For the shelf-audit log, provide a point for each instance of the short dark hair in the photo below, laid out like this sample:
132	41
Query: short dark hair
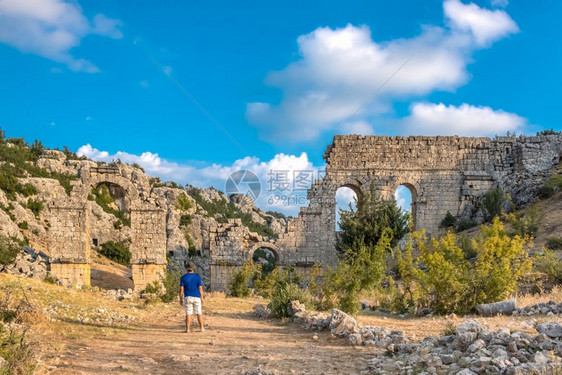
191	266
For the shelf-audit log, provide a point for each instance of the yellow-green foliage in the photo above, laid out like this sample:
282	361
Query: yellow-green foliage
550	264
441	277
362	270
524	224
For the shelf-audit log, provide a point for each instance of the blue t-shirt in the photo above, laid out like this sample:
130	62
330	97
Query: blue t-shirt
191	283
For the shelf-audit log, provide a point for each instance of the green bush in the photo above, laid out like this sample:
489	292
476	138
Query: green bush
50	279
116	251
239	283
183	202
465	224
35	206
171	282
185	220
23	225
448	221
550	264
554	243
284	293
441	278
9	249
524	224
362	269
493	202
551	187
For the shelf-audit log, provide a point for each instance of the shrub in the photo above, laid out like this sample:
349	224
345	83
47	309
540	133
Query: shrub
551	187
185	220
441	277
183	202
23	225
448	221
50	279
550	264
361	269
554	243
239	283
9	249
26	190
116	251
465	224
284	293
524	225
171	282
190	246
493	202
35	206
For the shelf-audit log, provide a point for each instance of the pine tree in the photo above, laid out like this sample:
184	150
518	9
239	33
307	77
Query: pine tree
366	224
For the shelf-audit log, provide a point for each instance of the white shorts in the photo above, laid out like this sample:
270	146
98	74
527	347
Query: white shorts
192	305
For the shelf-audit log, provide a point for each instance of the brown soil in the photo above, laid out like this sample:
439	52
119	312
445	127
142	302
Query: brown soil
106	274
234	342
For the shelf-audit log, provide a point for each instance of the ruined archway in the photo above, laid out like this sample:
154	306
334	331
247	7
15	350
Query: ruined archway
70	240
266	257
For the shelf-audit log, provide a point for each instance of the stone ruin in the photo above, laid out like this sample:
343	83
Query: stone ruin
69	241
444	174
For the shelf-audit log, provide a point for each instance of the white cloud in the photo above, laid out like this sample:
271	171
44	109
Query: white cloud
464	120
403	198
486	25
358	127
51	28
217	174
339	69
500	3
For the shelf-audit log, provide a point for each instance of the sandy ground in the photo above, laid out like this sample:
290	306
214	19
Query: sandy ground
234	342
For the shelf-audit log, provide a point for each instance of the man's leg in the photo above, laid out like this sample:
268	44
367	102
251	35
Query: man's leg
188	323
200	319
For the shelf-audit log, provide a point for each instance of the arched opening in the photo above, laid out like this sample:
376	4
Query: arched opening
109	228
346	199
405	196
265	257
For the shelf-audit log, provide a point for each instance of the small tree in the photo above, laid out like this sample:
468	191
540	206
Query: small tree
116	251
493	202
367	224
239	283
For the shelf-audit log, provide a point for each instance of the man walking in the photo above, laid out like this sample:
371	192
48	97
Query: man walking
191	293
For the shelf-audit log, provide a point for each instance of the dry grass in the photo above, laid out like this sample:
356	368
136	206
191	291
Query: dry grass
529	299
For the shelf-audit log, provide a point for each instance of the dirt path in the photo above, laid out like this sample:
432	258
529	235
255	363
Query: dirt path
234	342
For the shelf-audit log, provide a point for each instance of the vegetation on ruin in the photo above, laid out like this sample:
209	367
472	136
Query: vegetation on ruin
554	243
116	251
103	198
35	206
366	224
222	210
9	249
548	132
183	203
449	221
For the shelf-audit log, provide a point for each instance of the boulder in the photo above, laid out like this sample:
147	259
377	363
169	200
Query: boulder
496	308
341	323
551	329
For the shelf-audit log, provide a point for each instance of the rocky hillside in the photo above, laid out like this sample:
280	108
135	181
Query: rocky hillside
32	177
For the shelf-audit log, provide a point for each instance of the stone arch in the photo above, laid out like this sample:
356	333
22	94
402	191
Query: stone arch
414	193
69	241
265	245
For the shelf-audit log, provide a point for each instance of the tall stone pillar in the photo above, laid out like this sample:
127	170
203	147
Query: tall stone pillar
148	245
68	242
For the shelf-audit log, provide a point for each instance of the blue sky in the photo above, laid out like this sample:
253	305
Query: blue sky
281	78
